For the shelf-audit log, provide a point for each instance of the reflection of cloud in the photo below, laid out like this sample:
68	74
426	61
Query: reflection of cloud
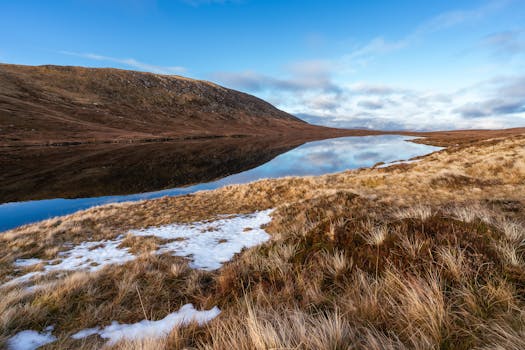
368	155
322	158
328	156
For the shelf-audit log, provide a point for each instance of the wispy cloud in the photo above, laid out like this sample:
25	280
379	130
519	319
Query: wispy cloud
317	74
457	17
363	54
207	2
505	43
129	62
305	75
310	89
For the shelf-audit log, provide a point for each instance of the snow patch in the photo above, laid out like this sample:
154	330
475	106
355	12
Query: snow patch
150	329
209	244
30	340
90	256
22	279
27	262
399	162
85	333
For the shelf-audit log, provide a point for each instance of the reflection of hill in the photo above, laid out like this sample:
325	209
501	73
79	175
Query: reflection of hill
115	169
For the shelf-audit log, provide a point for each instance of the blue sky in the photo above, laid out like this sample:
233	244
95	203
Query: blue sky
435	64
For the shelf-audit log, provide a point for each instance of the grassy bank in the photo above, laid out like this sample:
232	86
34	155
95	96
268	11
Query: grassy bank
419	256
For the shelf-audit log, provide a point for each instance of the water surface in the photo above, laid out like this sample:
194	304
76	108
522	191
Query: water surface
312	158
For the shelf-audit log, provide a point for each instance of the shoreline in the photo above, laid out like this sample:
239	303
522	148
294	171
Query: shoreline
70	205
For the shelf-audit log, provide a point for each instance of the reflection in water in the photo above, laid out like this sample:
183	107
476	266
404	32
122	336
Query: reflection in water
117	169
313	158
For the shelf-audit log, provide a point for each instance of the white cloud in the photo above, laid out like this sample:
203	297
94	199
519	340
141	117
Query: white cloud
309	89
495	103
130	62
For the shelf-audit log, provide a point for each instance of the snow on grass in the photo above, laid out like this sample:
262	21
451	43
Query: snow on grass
87	256
209	244
22	279
92	256
27	262
30	340
399	162
150	329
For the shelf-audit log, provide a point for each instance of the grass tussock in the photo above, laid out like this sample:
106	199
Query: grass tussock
349	266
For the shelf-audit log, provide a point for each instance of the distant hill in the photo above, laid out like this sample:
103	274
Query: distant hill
62	104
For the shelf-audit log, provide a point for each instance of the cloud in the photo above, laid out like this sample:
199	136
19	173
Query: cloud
457	17
364	121
329	102
317	74
503	96
505	43
310	89
130	62
301	76
491	108
363	54
493	103
196	3
372	89
368	104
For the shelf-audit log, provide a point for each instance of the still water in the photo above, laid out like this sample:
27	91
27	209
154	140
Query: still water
313	158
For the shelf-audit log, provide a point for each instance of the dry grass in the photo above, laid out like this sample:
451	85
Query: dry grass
410	263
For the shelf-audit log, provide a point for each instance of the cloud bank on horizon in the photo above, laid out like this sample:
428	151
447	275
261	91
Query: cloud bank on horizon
438	64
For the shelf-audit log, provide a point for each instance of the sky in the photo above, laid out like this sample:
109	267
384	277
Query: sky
419	65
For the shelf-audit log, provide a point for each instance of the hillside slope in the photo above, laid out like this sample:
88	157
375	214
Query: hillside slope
58	104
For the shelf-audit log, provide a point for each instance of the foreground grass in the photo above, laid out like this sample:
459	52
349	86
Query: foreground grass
419	256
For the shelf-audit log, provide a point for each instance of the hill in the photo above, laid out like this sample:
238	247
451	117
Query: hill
68	105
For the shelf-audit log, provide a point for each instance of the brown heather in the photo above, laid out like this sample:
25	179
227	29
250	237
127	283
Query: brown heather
428	255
